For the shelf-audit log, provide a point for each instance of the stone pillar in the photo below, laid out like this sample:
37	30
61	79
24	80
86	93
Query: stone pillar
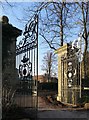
61	51
9	79
9	36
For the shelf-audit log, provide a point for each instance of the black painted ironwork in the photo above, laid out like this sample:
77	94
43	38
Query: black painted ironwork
25	69
70	76
27	65
30	36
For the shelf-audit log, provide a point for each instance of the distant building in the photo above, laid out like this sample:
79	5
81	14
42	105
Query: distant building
40	78
54	79
43	78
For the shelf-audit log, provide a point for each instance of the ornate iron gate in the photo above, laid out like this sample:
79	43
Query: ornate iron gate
27	66
70	81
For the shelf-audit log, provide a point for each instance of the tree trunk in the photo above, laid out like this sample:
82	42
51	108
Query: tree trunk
85	58
61	27
85	36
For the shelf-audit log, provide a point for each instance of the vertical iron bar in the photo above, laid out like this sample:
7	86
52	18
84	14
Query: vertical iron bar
37	66
80	70
34	62
80	80
61	79
32	79
29	56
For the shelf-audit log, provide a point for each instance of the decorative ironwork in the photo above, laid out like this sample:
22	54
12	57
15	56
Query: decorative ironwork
70	76
28	66
25	69
72	71
30	36
79	45
70	64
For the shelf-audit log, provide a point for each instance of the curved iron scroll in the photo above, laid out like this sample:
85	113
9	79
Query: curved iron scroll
30	34
25	69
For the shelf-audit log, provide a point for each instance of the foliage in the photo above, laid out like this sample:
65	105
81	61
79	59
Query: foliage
48	86
85	82
85	93
14	112
84	99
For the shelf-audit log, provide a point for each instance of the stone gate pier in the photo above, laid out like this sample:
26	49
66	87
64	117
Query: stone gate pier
61	51
69	87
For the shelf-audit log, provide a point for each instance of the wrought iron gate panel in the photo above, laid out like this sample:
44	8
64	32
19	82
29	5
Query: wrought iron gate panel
27	66
70	78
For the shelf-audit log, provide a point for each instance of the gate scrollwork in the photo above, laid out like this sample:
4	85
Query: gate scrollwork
30	36
25	69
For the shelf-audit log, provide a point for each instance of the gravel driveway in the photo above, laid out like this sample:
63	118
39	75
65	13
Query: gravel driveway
47	110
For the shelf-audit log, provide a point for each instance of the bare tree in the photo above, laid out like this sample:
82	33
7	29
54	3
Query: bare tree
53	22
54	28
58	20
49	61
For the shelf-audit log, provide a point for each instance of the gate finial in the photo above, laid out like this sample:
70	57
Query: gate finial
4	19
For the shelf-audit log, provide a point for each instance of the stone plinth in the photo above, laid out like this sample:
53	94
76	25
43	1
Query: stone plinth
86	106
